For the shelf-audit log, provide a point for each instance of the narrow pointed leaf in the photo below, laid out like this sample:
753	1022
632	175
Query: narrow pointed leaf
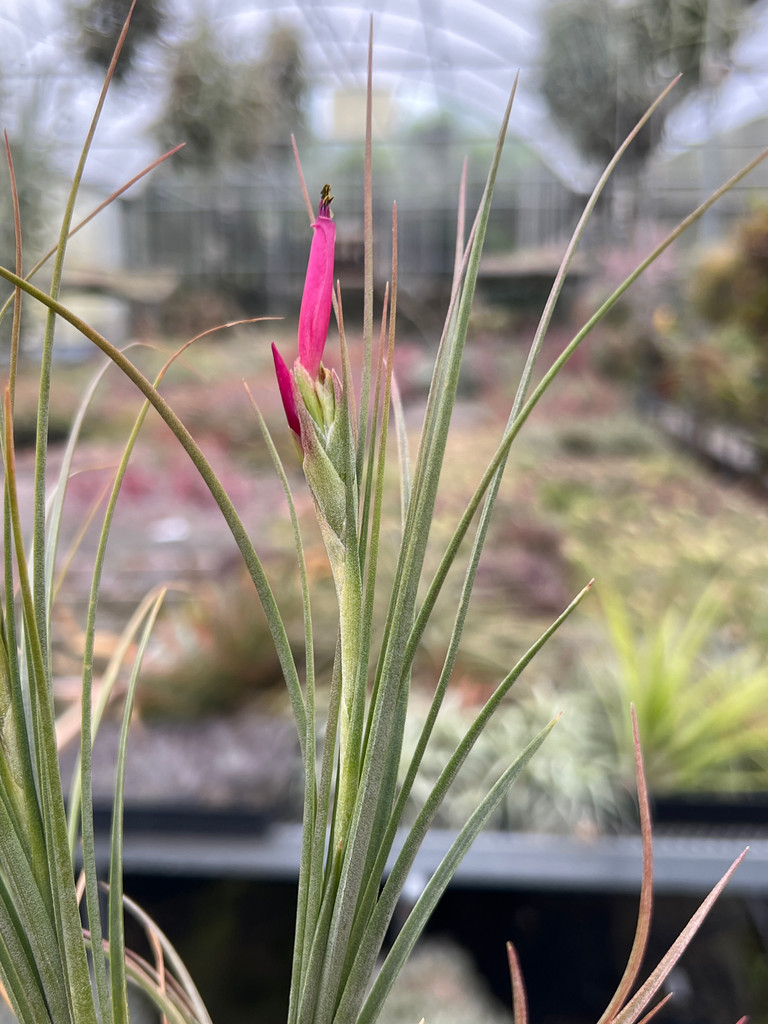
519	999
437	885
634	1008
642	931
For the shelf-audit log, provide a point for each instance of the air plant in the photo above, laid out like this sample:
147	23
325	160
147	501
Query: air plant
353	798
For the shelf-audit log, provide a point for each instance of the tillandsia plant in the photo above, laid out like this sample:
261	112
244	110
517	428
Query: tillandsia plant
353	801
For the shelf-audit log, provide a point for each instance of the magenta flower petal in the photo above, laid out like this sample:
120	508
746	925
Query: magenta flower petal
315	312
285	383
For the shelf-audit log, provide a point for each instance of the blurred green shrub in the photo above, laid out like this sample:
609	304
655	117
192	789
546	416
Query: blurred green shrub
723	371
719	374
712	286
211	653
705	348
702	705
574	787
192	309
750	277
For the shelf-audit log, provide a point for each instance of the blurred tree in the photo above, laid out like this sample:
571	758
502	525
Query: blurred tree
283	85
228	109
33	170
605	61
98	25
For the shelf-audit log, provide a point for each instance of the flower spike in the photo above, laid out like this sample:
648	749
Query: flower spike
302	383
315	314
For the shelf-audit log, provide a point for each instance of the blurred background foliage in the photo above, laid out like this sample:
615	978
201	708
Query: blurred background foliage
706	349
97	26
224	103
615	476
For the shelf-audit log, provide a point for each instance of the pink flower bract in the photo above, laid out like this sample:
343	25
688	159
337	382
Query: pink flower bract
315	312
286	385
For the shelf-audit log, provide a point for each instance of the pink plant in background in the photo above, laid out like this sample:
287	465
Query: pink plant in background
315	313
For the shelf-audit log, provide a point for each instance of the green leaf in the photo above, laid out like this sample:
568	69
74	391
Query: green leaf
433	890
43	404
18	967
117	975
371	924
29	917
58	866
310	867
